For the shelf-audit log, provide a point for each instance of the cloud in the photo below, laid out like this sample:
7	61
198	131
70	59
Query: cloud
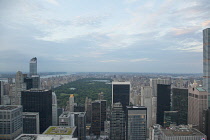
141	60
108	61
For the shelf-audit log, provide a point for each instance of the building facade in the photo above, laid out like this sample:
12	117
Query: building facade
117	122
39	101
31	123
136	123
179	101
10	121
54	110
33	66
121	93
197	103
170	118
163	101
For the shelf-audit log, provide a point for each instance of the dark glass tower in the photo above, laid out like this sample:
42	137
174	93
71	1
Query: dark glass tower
38	101
163	101
136	123
121	93
180	104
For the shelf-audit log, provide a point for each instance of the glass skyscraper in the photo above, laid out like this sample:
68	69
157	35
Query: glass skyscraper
206	61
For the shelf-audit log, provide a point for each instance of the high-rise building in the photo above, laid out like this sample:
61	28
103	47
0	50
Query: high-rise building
146	100
71	103
121	93
197	103
206	123
206	60
39	101
19	86
33	66
117	122
1	92
54	110
98	116
153	84
163	101
35	81
88	109
170	118
10	121
29	83
31	123
136	123
179	101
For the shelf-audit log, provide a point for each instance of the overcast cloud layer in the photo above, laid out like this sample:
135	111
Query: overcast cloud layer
103	35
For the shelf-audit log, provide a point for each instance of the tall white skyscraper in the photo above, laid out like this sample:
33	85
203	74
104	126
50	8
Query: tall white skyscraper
206	61
33	66
54	110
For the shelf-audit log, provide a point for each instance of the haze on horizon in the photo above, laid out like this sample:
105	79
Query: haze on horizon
103	35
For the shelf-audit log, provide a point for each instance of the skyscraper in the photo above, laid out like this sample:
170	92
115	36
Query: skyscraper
33	66
39	101
206	61
1	91
180	103
54	110
163	101
71	103
31	123
121	93
98	116
136	123
117	122
197	103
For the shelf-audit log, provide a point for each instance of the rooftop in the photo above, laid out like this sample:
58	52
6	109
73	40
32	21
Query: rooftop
9	107
201	89
59	130
44	137
30	113
182	131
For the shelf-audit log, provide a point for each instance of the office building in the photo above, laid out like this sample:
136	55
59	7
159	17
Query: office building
206	123
147	100
181	133
80	124
10	121
163	101
1	91
29	83
65	119
71	103
88	109
170	118
35	81
179	101
33	66
39	101
117	122
31	123
197	103
121	93
107	128
54	110
96	118
136	123
19	86
153	84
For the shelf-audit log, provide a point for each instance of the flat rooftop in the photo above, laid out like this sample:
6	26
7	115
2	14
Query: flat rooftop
8	107
59	130
44	137
30	113
182	132
121	83
65	115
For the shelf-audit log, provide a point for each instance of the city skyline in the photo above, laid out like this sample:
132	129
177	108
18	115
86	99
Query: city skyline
103	36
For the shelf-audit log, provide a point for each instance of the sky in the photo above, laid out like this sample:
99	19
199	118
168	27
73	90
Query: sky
103	35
